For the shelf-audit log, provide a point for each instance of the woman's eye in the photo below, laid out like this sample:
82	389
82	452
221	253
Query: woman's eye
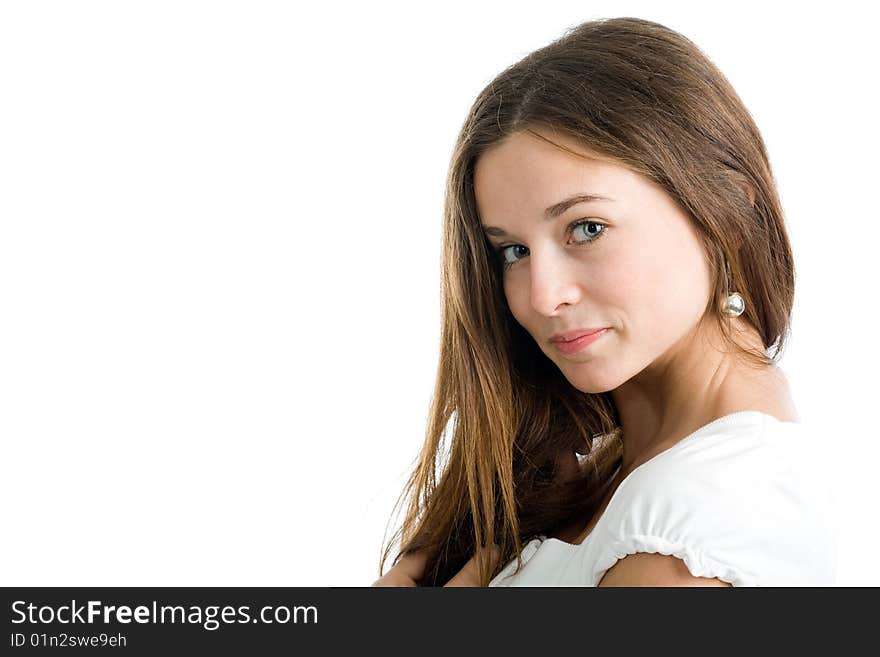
591	231
587	225
508	249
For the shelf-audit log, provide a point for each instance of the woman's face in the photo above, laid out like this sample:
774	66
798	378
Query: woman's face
634	264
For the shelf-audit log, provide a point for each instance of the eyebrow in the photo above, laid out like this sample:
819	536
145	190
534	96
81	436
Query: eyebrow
554	211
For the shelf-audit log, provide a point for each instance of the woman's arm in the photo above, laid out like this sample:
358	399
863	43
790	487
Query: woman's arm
654	569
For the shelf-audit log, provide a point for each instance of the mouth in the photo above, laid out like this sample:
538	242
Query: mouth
577	334
579	343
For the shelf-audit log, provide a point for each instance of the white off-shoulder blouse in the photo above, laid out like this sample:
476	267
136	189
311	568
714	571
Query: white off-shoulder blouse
743	498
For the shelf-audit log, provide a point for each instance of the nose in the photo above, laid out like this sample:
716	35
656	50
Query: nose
553	283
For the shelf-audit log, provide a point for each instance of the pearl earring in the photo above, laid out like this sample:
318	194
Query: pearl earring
735	304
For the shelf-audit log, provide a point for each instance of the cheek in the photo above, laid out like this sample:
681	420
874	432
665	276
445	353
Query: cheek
622	281
663	286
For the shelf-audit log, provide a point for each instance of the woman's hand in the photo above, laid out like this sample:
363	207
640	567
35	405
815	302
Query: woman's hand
469	575
411	567
406	571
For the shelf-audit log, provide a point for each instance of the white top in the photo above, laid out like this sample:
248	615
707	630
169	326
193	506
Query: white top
743	498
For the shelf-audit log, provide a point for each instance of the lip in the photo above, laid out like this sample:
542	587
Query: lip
579	343
569	336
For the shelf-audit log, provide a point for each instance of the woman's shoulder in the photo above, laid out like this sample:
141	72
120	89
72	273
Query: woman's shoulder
747	493
749	444
752	459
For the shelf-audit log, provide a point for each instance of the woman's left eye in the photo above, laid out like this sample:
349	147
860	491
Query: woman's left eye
590	236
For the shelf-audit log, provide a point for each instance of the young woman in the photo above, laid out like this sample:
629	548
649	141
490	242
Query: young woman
617	289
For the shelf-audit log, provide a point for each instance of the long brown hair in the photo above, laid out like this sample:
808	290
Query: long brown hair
502	414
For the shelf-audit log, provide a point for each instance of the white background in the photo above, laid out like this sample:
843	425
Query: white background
219	266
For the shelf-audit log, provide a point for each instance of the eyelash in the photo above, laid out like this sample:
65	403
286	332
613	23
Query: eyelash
506	265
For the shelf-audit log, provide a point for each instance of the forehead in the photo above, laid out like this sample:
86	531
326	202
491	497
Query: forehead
524	174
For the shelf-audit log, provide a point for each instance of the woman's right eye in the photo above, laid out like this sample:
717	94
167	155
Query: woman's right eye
508	249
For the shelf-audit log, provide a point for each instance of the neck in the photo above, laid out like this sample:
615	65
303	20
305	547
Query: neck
688	387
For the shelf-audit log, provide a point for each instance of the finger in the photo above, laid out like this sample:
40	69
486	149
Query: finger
469	575
412	565
394	579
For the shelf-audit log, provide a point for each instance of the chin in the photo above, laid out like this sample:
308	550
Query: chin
589	380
